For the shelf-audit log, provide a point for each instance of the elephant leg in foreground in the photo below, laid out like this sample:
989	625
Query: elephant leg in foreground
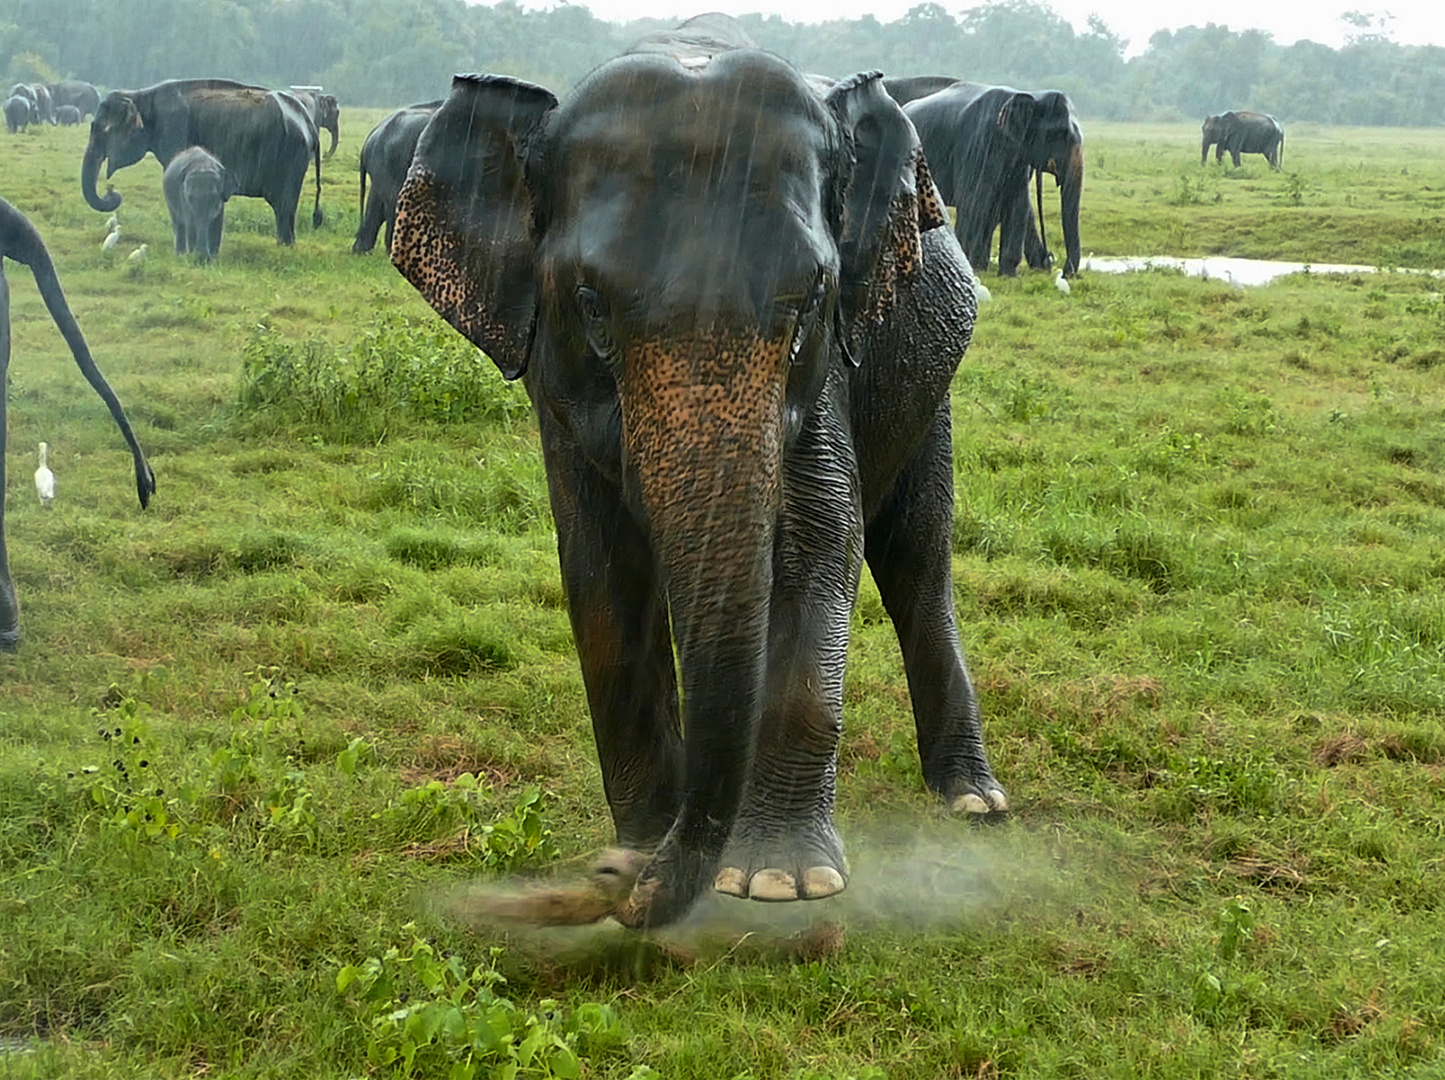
9	606
372	218
910	552
784	844
621	629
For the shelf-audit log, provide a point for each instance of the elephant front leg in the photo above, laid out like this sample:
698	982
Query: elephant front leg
784	844
620	626
910	548
9	607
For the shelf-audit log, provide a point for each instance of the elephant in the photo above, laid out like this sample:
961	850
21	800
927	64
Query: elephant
197	186
20	241
17	113
82	95
904	89
325	113
265	139
386	155
1242	133
984	144
44	106
736	306
67	116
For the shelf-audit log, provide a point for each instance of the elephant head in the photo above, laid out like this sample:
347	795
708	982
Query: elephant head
118	137
1043	129
676	256
328	118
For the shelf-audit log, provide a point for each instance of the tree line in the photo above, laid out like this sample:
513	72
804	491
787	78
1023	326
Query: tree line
392	52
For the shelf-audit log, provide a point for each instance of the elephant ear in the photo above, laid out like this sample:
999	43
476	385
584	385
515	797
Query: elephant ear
463	230
888	201
1017	115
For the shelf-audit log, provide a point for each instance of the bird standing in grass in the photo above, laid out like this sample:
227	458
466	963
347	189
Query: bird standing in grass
1062	284
138	255
44	478
111	239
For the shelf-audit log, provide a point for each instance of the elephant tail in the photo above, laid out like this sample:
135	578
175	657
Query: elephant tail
316	216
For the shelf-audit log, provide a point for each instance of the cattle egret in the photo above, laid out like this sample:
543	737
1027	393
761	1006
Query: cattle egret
44	478
138	255
980	292
1062	284
111	239
112	223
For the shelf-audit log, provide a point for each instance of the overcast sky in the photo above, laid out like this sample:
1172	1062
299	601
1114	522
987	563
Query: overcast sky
1412	22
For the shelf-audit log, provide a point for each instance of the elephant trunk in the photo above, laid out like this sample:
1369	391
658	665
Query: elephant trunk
335	130
89	170
1071	184
1204	150
703	435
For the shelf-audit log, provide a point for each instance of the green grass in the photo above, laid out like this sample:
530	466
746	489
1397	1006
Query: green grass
274	730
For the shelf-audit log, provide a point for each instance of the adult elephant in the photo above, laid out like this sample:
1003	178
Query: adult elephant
18	113
385	157
1242	133
78	93
737	307
44	106
984	144
906	88
20	241
264	138
325	113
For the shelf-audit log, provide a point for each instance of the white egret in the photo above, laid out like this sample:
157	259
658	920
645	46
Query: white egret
1062	284
138	255
111	239
44	478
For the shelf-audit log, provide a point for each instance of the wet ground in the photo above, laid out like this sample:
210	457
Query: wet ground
1234	271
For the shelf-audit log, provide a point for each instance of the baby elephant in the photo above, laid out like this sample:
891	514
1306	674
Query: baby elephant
197	187
67	115
17	113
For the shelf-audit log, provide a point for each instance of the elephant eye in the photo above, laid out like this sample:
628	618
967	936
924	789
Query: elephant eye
594	322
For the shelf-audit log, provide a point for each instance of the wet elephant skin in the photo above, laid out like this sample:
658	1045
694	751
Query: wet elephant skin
737	306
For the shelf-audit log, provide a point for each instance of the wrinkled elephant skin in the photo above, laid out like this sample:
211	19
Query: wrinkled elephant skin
737	307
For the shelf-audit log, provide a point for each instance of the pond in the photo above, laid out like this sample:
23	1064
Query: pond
1234	271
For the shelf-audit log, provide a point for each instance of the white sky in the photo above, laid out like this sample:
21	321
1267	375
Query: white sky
1410	22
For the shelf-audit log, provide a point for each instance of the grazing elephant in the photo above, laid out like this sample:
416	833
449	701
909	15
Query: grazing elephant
737	307
385	156
67	116
20	241
197	187
984	144
1242	133
324	111
82	95
18	111
265	139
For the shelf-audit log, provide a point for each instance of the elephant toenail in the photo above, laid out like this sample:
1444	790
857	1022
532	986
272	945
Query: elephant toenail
732	881
998	800
773	885
821	881
969	804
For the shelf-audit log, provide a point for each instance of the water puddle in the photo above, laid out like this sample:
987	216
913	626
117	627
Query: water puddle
1234	271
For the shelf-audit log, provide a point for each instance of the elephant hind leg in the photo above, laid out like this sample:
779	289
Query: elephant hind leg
371	222
910	551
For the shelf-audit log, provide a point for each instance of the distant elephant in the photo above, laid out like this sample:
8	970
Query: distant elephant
904	89
737	307
67	116
78	93
20	241
1242	133
265	138
325	113
44	106
18	111
385	156
197	186
984	144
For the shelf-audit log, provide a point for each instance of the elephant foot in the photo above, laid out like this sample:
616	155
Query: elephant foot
665	889
979	795
805	866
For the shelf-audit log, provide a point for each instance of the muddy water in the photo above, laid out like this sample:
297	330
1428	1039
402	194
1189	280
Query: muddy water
1233	271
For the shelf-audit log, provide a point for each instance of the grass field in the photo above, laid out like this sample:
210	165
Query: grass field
268	744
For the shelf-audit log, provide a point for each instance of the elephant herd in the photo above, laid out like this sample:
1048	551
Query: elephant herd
733	295
66	103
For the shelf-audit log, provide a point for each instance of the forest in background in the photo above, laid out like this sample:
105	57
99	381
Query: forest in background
390	52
